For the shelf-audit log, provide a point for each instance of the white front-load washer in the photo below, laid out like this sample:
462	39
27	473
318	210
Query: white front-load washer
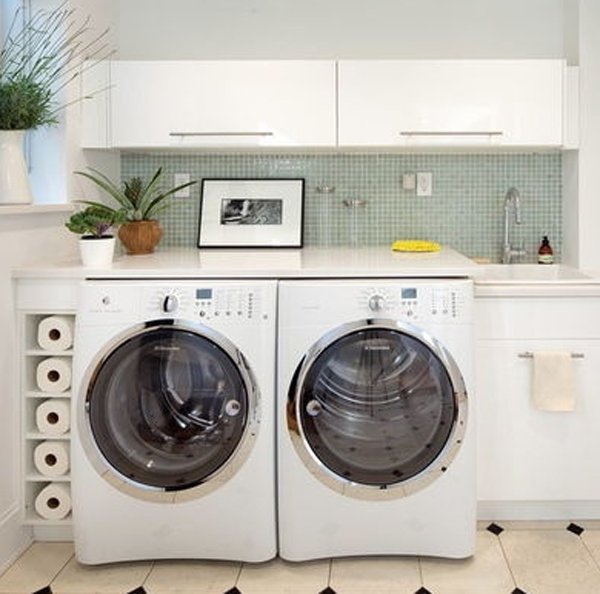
376	450
173	420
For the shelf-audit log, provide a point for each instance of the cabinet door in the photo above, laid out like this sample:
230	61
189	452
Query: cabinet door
525	454
449	102
250	103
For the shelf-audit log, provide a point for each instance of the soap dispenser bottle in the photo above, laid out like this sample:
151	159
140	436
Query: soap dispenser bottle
545	253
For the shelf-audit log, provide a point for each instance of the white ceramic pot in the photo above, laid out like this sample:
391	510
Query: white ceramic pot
97	252
14	177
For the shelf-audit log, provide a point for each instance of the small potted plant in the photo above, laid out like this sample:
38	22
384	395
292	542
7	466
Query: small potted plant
136	206
96	244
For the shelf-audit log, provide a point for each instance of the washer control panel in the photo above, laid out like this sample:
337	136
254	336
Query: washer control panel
204	302
127	302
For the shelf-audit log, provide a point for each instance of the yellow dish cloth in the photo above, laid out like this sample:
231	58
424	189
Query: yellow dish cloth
415	245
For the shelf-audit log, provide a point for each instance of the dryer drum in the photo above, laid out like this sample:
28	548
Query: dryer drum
376	406
167	408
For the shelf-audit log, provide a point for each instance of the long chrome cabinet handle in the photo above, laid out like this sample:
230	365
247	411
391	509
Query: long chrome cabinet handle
529	355
220	133
450	133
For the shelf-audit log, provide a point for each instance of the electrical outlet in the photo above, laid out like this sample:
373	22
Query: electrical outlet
179	179
424	183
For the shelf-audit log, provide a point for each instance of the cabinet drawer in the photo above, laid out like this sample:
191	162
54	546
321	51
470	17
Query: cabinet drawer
538	317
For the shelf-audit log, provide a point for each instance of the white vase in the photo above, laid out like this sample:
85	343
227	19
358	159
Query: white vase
97	252
14	177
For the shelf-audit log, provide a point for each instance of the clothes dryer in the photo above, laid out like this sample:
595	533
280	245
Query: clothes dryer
376	450
173	433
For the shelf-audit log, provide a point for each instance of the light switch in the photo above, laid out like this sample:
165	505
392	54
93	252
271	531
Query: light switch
409	181
179	179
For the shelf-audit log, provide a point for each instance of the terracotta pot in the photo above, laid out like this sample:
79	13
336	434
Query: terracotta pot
140	237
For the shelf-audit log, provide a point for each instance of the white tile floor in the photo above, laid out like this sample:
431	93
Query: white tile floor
546	560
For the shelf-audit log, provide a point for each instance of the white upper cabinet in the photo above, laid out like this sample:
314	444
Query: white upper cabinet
304	103
512	103
222	103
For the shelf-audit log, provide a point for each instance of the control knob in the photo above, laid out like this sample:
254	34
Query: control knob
170	303
376	302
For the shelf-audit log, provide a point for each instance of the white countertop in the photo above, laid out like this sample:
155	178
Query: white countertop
330	262
495	280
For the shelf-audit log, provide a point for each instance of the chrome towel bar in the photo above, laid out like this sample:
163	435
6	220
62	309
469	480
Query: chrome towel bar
529	355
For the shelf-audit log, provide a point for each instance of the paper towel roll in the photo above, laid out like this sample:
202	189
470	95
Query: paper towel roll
53	375
55	333
53	502
52	417
51	458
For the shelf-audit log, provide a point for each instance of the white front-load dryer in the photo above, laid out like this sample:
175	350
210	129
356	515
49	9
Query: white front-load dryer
173	420
376	450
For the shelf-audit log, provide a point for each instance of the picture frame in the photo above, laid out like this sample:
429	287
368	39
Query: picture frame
251	213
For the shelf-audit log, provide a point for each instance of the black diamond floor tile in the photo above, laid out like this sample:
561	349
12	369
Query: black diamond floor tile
518	591
495	529
233	590
328	590
45	590
575	529
423	591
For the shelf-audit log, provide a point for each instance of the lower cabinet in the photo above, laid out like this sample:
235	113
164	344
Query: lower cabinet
527	454
46	328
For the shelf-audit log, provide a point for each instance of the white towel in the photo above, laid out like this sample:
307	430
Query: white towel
553	381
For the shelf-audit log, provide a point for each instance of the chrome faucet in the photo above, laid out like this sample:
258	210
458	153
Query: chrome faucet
512	201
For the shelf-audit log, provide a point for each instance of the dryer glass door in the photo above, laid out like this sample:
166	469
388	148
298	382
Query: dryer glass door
376	406
168	407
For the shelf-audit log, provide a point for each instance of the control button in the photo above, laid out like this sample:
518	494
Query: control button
106	300
170	303
376	302
202	313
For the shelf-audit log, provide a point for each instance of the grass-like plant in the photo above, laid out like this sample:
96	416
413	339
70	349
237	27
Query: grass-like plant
135	200
40	56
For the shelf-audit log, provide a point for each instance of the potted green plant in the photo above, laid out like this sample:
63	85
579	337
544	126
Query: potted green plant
96	244
39	58
136	205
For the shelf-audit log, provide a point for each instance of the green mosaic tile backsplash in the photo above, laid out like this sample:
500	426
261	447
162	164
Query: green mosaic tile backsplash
465	210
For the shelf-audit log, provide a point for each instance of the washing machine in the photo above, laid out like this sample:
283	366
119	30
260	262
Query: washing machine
376	449
174	420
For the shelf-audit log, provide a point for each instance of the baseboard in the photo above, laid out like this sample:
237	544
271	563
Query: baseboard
53	533
533	511
14	537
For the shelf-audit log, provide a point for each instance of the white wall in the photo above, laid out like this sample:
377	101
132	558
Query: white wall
588	172
213	29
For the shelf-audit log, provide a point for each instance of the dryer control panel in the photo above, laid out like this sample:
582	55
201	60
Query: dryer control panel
419	301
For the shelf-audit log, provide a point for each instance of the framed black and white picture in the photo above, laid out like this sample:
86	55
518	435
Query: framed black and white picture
251	213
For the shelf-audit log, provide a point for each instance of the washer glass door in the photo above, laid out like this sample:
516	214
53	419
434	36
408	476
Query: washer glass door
377	404
169	406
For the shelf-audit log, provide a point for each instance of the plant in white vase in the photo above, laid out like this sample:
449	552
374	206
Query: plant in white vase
97	244
39	58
